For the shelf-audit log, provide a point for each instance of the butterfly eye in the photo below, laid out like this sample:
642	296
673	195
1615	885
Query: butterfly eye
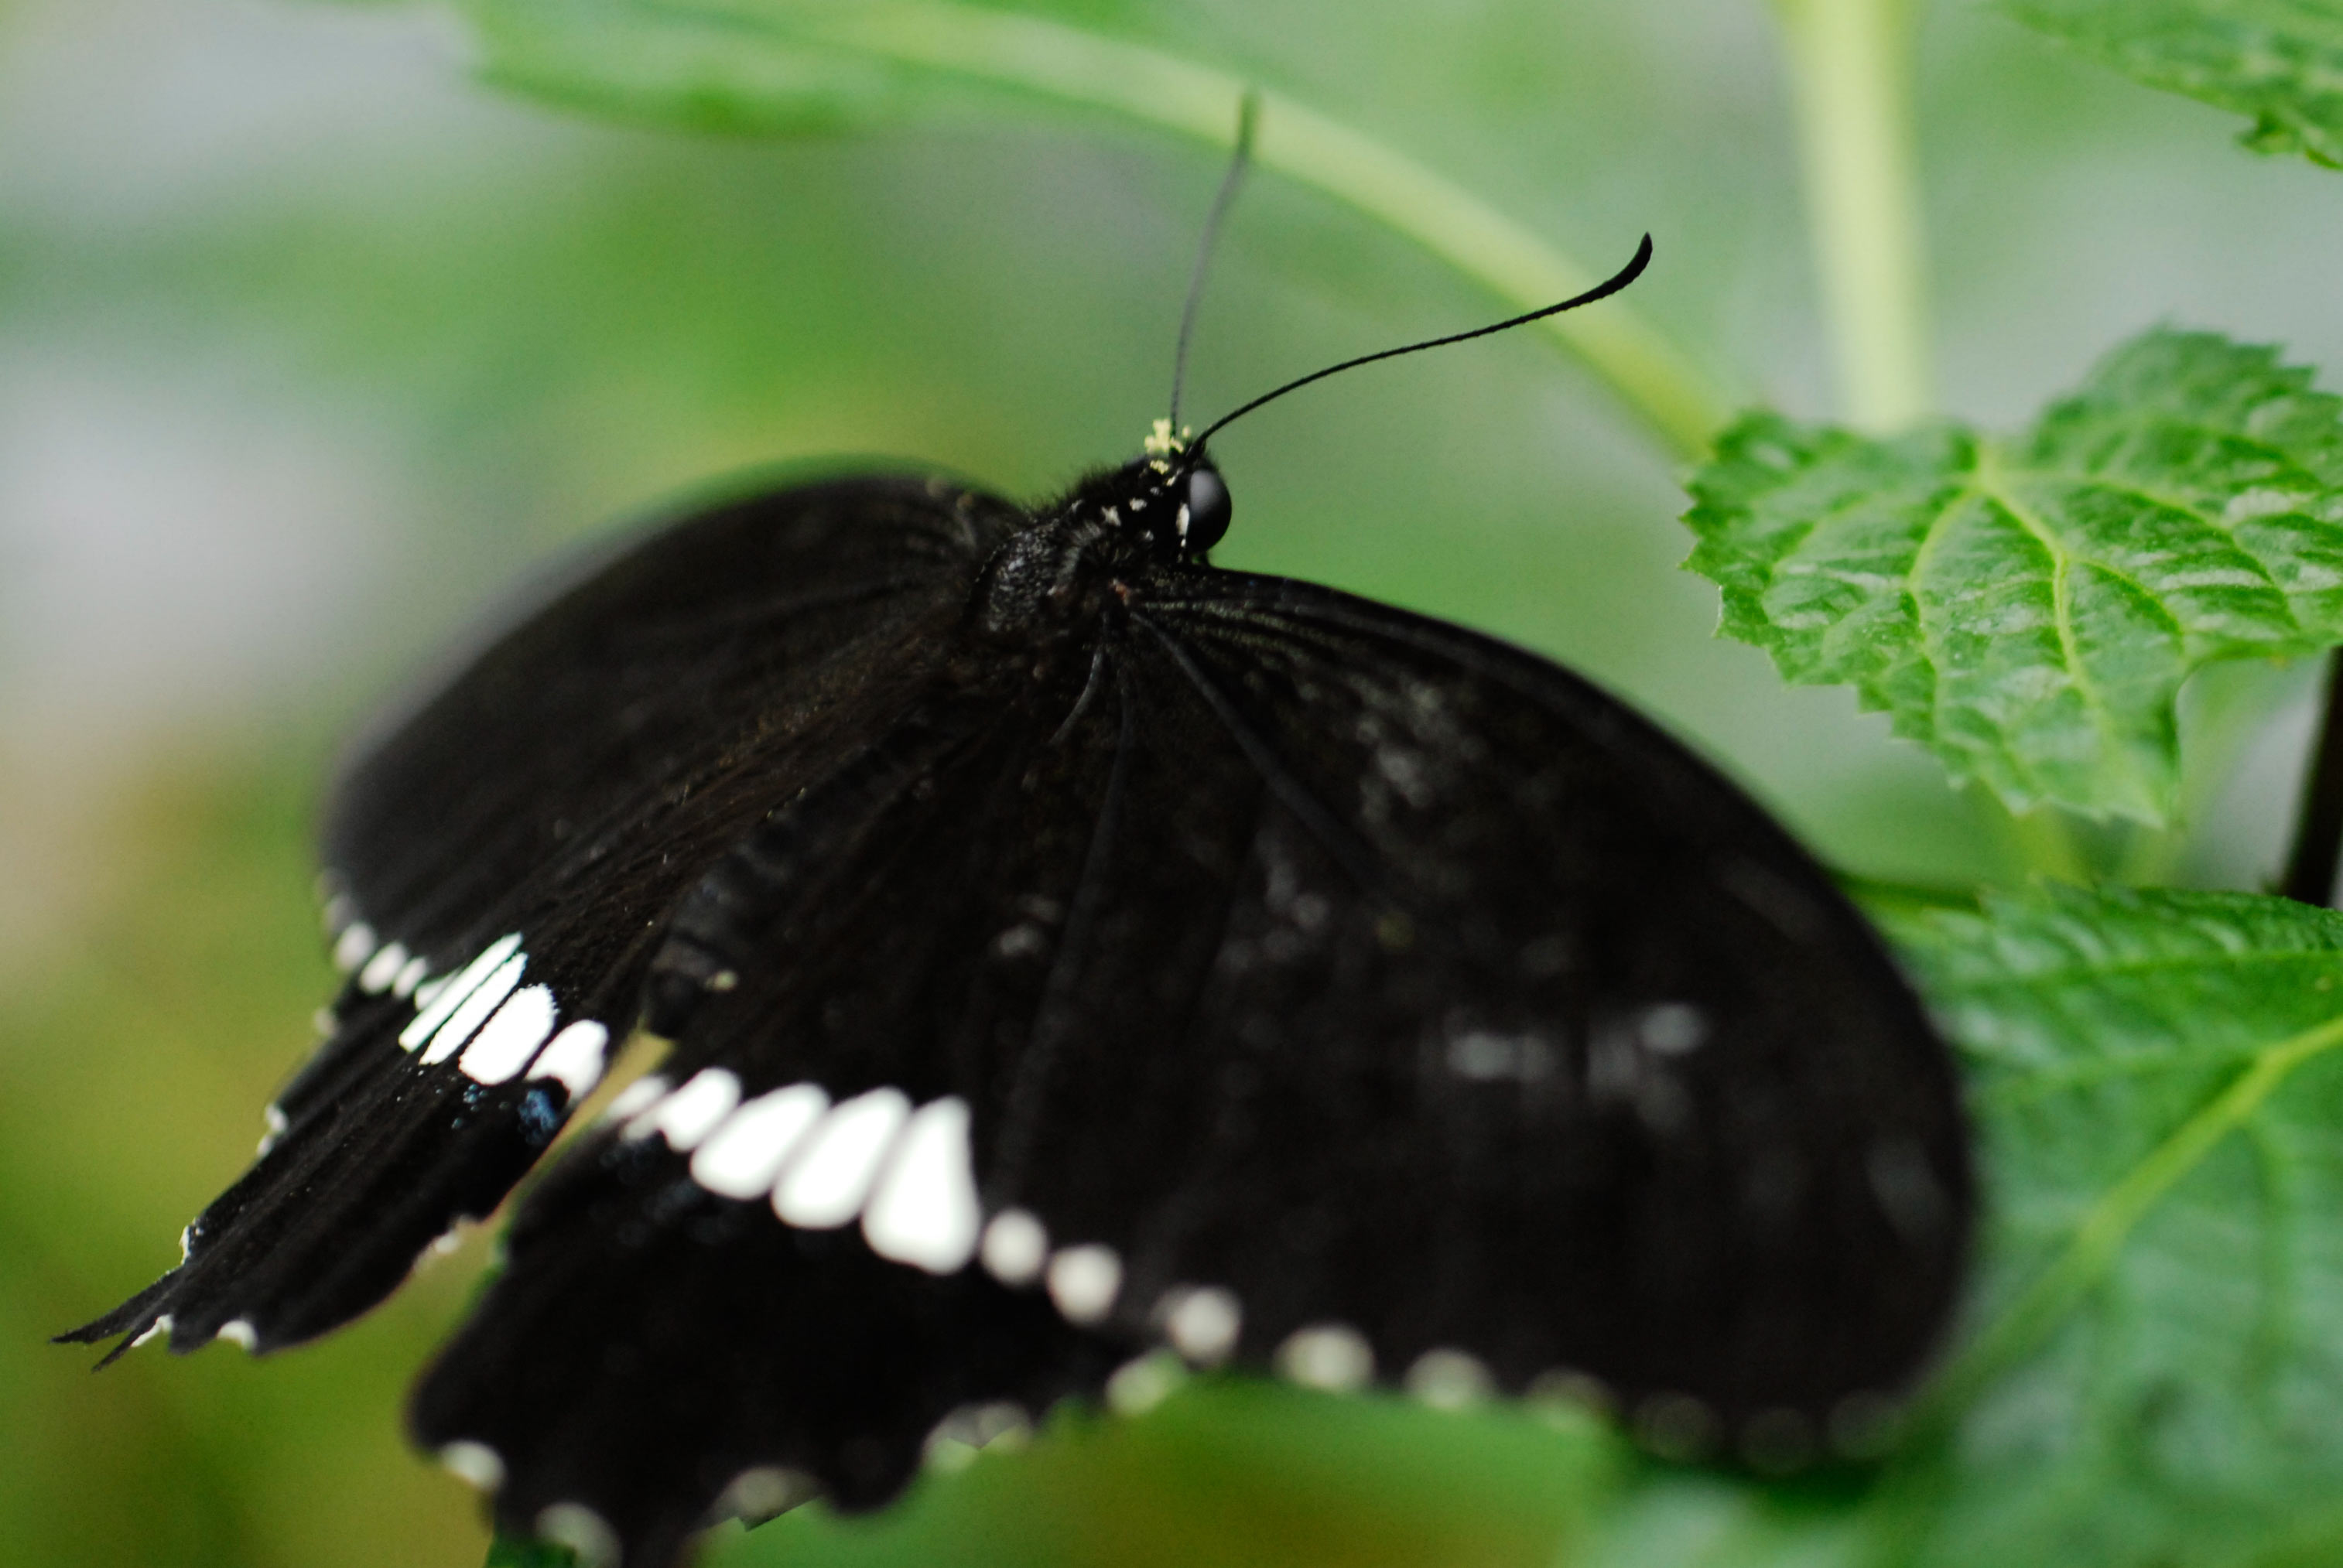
1204	510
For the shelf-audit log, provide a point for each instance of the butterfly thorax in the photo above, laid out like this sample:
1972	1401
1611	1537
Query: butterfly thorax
1052	581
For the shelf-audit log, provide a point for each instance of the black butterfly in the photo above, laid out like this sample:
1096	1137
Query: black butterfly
1068	948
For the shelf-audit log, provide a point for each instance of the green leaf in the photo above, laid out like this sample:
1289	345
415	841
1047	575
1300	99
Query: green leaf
2026	606
795	66
2156	1375
507	1552
1234	1473
2279	61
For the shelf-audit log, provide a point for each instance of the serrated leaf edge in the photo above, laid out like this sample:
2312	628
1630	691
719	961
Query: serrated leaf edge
2131	784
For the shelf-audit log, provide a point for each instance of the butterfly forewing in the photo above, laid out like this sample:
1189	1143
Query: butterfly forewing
503	857
708	658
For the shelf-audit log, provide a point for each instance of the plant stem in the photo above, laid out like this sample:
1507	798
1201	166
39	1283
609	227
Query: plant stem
1851	76
1656	381
2318	830
2045	843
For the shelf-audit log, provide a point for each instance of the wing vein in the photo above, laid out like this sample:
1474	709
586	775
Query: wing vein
1356	859
1051	1028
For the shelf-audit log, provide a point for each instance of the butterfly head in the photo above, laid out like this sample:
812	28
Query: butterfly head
1171	500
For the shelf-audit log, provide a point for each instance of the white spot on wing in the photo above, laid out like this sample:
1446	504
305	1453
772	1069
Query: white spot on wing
1203	1323
1016	1245
409	976
1486	1055
161	1325
827	1179
691	1112
1138	1386
575	1057
765	1491
583	1531
1671	1027
924	1210
962	1435
239	1331
476	1462
381	969
1327	1355
1863	1426
637	1096
352	947
510	1036
1449	1379
741	1158
1566	1391
474	1010
1020	942
446	996
1084	1280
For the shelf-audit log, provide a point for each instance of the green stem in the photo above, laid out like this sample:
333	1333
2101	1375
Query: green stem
2043	840
1851	74
1650	376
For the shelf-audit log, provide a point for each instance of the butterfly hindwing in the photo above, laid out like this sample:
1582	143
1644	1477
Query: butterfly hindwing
502	857
657	1354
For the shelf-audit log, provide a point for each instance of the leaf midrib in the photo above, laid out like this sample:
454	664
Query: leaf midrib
2096	1244
1987	482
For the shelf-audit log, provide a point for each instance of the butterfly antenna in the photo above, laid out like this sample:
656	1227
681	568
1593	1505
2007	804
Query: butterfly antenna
1620	279
1248	111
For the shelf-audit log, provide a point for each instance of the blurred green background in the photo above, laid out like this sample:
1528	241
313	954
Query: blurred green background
309	344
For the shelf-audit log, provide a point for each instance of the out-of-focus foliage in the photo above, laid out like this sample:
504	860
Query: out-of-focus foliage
793	66
1238	1473
2279	61
507	1553
2027	607
700	68
178	1015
